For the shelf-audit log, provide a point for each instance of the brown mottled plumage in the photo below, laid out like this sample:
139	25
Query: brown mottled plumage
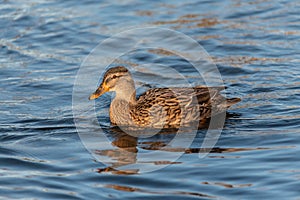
159	107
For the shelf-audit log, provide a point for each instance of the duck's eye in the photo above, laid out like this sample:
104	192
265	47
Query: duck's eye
111	78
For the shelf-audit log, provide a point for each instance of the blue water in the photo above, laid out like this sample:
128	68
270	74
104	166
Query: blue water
255	45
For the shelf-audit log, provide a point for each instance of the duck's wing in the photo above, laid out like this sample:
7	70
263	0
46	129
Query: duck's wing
158	107
204	95
172	105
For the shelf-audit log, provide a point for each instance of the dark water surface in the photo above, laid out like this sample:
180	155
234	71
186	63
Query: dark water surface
255	45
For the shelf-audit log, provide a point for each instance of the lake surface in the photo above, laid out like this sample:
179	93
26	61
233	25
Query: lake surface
44	44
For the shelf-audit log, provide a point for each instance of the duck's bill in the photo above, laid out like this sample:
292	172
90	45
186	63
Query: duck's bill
94	96
98	93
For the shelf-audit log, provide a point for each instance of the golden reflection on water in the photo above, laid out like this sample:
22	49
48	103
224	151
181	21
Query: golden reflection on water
239	61
161	52
204	22
227	185
135	189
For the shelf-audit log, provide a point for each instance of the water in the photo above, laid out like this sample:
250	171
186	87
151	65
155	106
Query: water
255	46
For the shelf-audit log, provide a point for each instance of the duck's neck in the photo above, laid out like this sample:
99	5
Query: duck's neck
122	103
126	91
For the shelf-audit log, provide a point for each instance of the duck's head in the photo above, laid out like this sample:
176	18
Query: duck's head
117	79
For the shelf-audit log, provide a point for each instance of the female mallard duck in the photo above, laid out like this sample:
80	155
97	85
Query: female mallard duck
159	107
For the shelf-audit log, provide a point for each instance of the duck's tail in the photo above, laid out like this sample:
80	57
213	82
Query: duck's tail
231	101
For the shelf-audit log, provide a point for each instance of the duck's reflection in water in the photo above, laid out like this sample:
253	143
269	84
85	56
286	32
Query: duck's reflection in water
127	150
129	145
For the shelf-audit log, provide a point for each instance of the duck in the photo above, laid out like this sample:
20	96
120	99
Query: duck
172	107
